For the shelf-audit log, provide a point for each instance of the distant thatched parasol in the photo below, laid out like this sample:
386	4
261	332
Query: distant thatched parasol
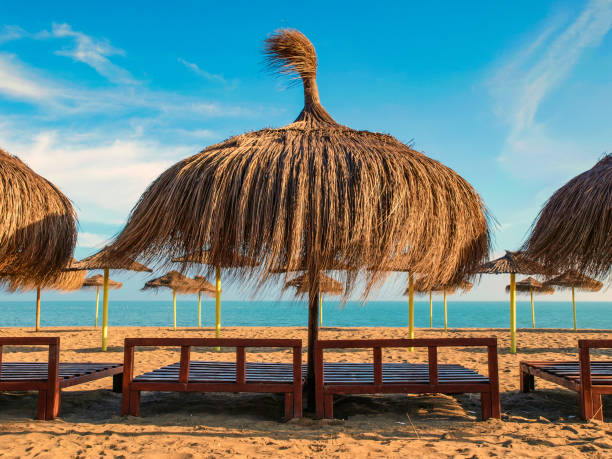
101	260
63	281
531	286
574	280
176	282
312	192
326	285
96	282
450	289
37	224
572	231
203	287
514	263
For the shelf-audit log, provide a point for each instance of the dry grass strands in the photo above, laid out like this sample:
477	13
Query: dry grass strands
204	286
311	193
574	279
228	260
529	285
102	260
174	281
37	224
97	281
572	231
514	262
326	285
422	287
63	281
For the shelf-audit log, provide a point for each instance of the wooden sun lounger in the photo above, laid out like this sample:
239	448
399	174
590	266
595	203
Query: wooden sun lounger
589	379
200	376
413	378
51	377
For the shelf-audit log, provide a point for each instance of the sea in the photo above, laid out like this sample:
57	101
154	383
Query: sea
461	314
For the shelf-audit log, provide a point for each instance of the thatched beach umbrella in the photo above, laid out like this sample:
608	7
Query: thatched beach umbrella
63	281
228	260
574	280
513	263
96	282
531	286
465	286
314	192
326	285
176	282
206	288
101	260
37	224
572	231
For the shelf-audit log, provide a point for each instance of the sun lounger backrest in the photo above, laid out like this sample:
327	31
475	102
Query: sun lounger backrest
52	341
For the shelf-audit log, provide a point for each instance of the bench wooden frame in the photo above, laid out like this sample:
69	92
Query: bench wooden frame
489	390
50	383
292	391
576	376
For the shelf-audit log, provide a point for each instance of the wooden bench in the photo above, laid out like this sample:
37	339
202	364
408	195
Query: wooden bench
51	377
200	376
589	379
413	378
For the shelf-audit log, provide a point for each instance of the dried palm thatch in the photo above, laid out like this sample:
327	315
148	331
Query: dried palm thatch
174	281
326	285
572	231
529	285
97	281
450	289
229	260
573	279
514	263
101	260
63	281
315	192
204	286
37	225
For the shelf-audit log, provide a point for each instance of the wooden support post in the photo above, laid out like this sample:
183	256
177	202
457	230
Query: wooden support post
512	313
105	311
586	391
313	336
97	303
494	381
241	365
432	360
38	309
184	364
532	309
378	374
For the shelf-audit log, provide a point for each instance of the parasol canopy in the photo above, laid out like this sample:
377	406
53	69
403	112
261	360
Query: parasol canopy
514	263
574	279
174	281
97	281
326	284
38	224
529	285
102	260
204	286
572	231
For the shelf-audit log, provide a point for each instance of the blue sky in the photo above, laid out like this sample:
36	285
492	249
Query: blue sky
101	98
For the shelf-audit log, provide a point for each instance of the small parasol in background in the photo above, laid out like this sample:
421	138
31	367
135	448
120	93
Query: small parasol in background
531	286
326	285
206	288
176	282
419	287
96	282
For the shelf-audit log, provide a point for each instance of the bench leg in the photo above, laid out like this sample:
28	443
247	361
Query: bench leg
586	404
297	403
319	405
118	383
329	406
597	408
485	403
134	403
288	406
41	411
53	403
527	382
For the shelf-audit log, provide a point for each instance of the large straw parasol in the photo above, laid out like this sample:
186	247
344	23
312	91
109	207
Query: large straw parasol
572	231
574	280
229	259
63	281
531	286
101	260
206	288
326	285
450	289
37	223
313	192
176	282
514	263
96	282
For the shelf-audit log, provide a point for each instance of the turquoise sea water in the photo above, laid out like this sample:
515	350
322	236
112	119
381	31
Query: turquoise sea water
284	313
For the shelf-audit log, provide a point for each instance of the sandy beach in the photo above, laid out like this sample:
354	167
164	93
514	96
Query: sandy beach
543	423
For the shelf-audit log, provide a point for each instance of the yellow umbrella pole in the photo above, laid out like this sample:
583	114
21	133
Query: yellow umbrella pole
512	313
38	309
105	311
532	309
97	302
445	313
321	309
574	307
411	307
199	309
430	311
174	308
217	302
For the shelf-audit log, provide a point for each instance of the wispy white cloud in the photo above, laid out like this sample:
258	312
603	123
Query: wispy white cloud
11	32
91	240
17	82
530	76
214	77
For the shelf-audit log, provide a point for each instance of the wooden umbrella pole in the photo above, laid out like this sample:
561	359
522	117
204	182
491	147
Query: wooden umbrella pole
574	307
512	313
105	311
199	309
38	309
97	303
445	313
174	308
532	309
430	311
313	336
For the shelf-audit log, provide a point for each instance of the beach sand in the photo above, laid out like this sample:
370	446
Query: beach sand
544	423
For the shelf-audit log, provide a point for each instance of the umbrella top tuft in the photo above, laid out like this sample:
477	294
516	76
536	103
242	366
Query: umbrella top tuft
103	260
514	263
98	281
